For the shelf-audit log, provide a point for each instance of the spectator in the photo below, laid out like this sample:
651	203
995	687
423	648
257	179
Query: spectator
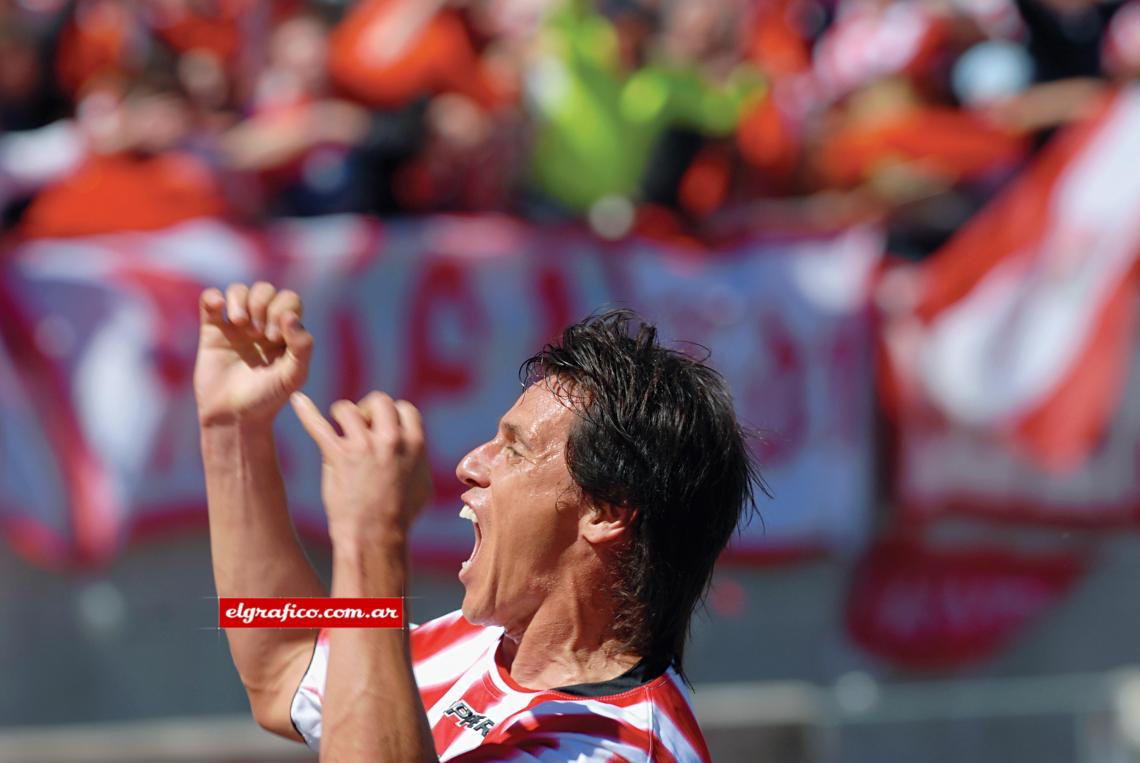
136	175
671	117
603	99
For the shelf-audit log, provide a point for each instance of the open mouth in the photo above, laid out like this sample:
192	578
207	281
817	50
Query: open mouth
468	513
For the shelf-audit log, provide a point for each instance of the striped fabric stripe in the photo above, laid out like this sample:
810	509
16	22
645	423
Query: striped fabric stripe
478	713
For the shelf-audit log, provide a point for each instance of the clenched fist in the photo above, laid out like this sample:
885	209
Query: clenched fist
252	353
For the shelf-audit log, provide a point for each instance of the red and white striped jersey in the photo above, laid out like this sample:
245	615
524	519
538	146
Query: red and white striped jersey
478	713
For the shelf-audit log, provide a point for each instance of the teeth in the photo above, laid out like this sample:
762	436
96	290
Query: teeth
468	513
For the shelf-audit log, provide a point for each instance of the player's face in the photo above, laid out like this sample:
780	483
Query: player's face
526	510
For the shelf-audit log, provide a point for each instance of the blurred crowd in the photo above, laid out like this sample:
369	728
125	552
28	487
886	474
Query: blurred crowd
694	119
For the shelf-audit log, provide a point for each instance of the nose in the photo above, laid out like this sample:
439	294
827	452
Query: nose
473	470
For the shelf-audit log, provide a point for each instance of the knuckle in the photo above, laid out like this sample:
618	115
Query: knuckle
355	447
389	439
284	301
279	308
373	398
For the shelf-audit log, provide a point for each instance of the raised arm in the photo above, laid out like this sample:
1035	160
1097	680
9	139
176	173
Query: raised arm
375	481
252	353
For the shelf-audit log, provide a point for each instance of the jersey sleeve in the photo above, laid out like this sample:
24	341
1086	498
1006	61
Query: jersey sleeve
305	711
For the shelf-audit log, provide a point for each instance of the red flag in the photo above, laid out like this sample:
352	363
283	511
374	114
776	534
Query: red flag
1020	327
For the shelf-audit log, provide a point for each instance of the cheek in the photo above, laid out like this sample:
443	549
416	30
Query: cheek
534	521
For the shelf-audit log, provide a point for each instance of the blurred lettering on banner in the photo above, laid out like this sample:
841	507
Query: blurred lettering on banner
926	607
100	443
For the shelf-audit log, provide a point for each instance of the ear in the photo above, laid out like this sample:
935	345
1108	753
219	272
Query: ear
606	523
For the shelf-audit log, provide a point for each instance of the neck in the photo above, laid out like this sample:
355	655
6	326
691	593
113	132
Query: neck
569	640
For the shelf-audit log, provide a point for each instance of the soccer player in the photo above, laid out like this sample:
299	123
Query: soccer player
599	507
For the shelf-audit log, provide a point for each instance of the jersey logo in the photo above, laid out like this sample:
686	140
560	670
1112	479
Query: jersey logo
465	716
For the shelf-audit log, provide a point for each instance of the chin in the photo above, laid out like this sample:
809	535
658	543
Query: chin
481	612
472	612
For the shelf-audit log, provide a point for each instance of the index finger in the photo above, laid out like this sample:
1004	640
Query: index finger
314	423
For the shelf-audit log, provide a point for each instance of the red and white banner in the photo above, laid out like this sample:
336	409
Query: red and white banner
99	440
1008	353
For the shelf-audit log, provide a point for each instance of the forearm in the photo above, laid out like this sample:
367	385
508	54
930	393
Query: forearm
372	707
255	552
259	144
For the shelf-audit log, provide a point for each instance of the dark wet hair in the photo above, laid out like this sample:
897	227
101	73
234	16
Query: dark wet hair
657	433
